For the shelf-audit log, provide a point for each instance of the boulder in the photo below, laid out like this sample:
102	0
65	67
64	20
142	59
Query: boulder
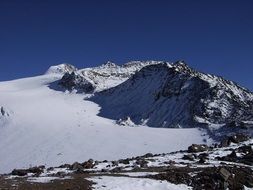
88	164
117	169
124	161
115	163
237	138
225	143
142	163
188	157
148	155
19	172
202	160
76	166
224	173
197	148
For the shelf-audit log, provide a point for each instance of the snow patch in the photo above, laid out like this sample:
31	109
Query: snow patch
61	69
127	183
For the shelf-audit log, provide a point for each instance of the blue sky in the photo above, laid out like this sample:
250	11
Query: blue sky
214	36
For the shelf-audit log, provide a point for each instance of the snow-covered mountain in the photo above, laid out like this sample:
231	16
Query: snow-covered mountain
162	94
69	115
51	127
165	95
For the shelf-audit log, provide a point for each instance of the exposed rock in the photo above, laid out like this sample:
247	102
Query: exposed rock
202	160
237	138
88	164
126	122
247	159
124	161
246	149
225	174
23	172
65	166
148	155
115	163
177	96
4	112
225	143
142	163
19	172
116	170
73	81
188	157
76	166
197	148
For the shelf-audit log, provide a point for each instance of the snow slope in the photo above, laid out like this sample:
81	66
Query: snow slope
126	183
54	127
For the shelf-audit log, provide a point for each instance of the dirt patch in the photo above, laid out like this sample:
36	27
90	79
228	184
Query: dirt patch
76	182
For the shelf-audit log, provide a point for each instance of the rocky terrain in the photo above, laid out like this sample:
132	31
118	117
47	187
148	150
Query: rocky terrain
227	165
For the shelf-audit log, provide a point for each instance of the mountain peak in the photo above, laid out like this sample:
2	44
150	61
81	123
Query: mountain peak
61	69
109	64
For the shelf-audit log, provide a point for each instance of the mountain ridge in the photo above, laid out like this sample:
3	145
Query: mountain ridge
207	99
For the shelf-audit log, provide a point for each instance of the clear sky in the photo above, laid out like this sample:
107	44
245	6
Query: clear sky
214	36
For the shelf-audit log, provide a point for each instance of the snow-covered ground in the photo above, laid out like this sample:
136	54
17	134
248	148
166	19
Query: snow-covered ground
52	127
126	183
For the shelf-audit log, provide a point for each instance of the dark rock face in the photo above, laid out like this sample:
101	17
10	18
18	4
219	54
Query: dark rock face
73	81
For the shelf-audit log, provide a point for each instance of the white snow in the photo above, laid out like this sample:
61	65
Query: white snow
53	127
247	188
110	75
44	179
127	183
138	174
61	69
